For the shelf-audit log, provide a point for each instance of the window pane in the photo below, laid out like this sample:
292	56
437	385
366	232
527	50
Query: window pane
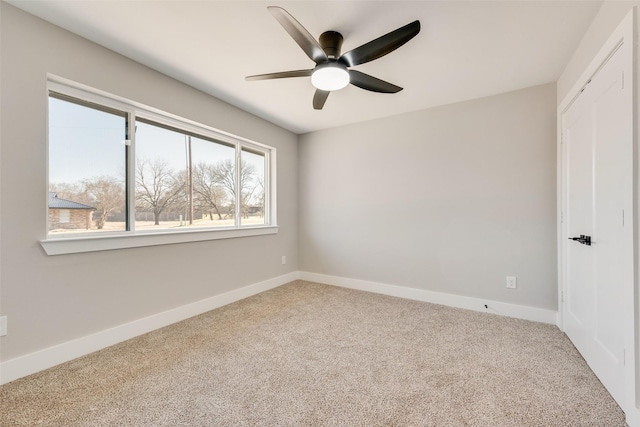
253	188
182	180
87	158
214	191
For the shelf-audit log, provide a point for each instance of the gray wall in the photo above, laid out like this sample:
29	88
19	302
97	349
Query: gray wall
450	199
53	299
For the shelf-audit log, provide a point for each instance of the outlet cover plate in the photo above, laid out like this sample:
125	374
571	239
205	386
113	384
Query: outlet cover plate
511	282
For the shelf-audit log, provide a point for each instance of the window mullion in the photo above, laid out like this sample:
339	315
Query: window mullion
238	172
267	189
131	172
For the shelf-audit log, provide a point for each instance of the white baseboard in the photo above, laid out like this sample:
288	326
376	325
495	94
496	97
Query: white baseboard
469	303
48	357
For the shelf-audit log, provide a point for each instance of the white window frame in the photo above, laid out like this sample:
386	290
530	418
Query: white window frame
89	242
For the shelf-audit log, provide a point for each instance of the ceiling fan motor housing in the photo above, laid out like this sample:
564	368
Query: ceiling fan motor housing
331	43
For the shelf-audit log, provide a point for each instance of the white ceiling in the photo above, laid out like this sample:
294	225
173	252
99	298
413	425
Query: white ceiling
466	49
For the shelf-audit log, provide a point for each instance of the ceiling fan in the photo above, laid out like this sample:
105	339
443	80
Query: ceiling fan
332	69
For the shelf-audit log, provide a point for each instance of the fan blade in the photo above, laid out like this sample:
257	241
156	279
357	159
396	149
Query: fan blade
367	82
381	46
301	36
320	98
280	75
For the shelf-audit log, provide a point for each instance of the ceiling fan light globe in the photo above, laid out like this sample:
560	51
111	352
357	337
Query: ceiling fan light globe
330	77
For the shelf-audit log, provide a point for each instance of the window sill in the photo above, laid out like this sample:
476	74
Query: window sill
72	245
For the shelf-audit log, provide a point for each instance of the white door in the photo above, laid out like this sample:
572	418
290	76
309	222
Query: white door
597	138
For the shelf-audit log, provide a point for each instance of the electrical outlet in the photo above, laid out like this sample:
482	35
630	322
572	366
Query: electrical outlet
511	282
3	326
284	260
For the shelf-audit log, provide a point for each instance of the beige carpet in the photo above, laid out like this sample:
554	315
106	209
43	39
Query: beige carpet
306	354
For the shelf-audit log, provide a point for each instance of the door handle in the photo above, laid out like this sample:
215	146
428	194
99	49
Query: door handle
585	240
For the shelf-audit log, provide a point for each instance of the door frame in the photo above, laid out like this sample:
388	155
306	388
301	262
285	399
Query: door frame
623	38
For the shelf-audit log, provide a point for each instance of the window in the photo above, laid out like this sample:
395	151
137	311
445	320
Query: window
65	216
132	171
252	184
182	180
87	162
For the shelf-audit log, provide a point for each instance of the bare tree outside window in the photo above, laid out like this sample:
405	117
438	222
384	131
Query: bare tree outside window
225	172
211	197
158	187
107	195
68	190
